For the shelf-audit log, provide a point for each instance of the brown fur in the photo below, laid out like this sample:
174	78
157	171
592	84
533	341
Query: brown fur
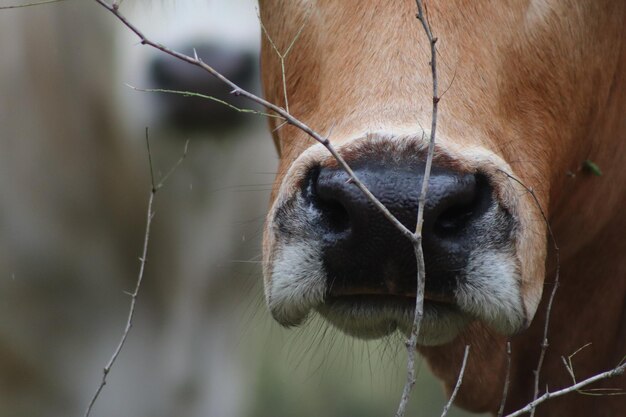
540	83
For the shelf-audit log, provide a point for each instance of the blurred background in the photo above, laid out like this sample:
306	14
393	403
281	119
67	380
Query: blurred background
74	186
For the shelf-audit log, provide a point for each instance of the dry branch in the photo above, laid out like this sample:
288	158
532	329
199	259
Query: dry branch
576	386
507	380
417	236
569	366
414	238
38	3
459	381
282	56
544	341
204	97
142	265
238	91
619	370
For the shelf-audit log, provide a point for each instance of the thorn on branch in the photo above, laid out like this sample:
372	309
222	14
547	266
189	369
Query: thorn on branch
140	275
284	112
414	238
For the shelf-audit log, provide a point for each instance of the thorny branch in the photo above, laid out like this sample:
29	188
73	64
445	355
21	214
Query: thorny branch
142	265
414	238
459	381
38	3
619	370
417	236
205	97
283	55
238	91
544	341
507	380
576	386
569	366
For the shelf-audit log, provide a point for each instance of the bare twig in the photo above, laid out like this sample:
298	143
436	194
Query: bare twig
142	265
238	91
205	97
569	366
411	344
283	55
602	392
417	236
507	380
619	370
413	237
544	341
37	3
459	381
431	143
576	387
569	369
173	168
